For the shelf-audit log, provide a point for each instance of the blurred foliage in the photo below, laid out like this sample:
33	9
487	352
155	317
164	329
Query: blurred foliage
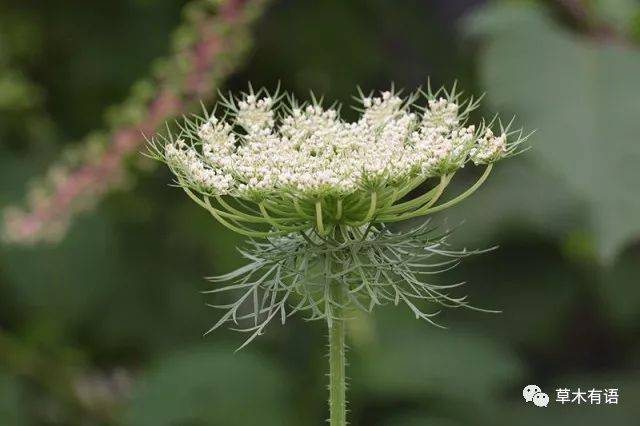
106	327
206	47
211	386
583	105
11	410
440	370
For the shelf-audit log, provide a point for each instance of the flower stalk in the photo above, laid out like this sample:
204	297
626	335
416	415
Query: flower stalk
337	360
337	347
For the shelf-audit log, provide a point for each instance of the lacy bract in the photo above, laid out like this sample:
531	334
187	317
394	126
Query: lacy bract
268	165
372	266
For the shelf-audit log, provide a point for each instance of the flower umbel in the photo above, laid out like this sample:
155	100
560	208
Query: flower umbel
269	165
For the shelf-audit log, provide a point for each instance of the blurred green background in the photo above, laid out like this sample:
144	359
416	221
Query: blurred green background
105	327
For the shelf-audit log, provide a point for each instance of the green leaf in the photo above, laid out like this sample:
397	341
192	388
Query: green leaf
211	386
68	281
523	415
10	404
582	97
620	291
619	14
417	419
531	284
412	359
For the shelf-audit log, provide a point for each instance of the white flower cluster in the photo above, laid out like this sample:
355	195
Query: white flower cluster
311	151
489	148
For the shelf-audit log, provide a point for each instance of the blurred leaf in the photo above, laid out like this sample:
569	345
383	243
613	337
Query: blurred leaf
518	196
417	419
582	96
10	406
619	14
17	92
529	281
211	386
555	415
67	281
620	290
414	359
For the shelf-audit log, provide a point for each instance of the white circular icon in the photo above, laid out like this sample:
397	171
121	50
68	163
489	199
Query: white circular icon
541	399
529	391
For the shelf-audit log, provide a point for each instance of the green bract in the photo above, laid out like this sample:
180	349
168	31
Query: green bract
374	265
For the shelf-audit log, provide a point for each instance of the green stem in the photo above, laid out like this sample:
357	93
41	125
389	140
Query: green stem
319	223
337	382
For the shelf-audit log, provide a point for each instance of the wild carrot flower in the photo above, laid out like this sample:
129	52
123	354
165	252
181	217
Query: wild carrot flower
315	192
300	167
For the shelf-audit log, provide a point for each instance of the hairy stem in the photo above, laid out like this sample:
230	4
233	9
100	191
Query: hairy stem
336	323
337	378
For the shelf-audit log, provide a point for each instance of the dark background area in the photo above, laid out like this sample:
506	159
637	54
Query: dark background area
105	325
